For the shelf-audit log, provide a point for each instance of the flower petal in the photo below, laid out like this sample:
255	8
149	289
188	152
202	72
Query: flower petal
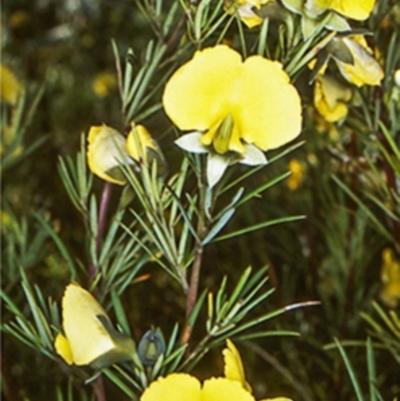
191	143
221	389
253	156
87	337
216	166
177	387
365	70
106	151
355	9
265	106
137	142
233	367
195	103
329	98
63	348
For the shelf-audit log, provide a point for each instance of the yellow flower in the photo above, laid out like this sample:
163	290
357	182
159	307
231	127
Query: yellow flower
10	88
108	149
365	70
390	276
245	9
314	11
330	97
89	335
354	9
234	109
297	174
103	83
184	387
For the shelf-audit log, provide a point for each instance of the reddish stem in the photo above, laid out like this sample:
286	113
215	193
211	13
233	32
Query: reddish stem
104	204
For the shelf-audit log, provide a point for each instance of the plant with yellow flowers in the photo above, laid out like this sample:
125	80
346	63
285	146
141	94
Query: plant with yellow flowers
180	196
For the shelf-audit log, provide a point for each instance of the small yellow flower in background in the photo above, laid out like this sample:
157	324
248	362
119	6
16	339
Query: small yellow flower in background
10	88
245	9
297	174
184	387
90	338
330	97
364	70
233	109
390	276
103	83
108	149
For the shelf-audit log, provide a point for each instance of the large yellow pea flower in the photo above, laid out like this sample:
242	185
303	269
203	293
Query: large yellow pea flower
184	387
233	108
108	149
89	335
330	98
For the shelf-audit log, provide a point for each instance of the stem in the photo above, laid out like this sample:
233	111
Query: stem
98	387
98	384
104	203
198	257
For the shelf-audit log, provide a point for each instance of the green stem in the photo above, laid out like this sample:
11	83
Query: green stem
198	257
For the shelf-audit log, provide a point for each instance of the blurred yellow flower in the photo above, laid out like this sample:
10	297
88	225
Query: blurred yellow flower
297	174
184	387
245	9
89	335
330	97
108	149
390	276
364	70
10	88
233	108
103	83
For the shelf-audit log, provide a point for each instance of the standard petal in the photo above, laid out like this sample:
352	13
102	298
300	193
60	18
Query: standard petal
86	335
195	96
221	389
177	387
355	9
266	107
106	150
